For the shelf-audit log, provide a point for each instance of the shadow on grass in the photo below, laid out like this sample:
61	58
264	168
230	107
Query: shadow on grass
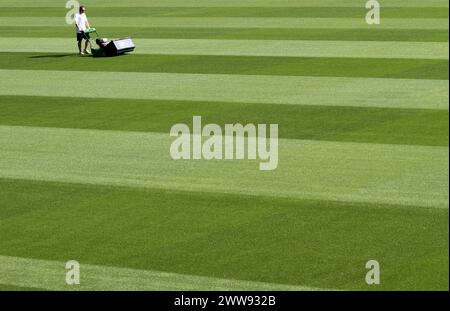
53	56
76	55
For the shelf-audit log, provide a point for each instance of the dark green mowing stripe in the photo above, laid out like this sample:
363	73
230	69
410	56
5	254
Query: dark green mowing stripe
248	65
412	35
348	124
309	12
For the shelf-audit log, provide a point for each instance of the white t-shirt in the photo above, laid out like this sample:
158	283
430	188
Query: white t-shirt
80	21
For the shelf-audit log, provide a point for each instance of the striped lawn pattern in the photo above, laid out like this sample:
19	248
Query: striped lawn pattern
419	35
359	92
363	160
297	12
230	3
45	274
238	22
313	170
410	50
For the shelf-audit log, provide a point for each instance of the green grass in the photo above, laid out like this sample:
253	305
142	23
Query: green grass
283	66
349	172
352	124
101	278
274	48
229	3
261	89
417	35
363	115
12	288
226	236
322	12
238	22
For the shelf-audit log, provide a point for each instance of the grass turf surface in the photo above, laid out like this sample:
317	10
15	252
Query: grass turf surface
229	3
240	22
283	66
226	236
316	12
255	89
399	174
415	35
278	48
13	288
351	124
363	173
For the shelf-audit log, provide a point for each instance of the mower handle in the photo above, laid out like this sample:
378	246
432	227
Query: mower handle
93	31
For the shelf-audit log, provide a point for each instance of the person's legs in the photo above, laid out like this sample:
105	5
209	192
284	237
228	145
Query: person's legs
88	43
87	47
79	40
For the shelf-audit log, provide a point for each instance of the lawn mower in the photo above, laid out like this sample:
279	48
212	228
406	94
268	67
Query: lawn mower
108	48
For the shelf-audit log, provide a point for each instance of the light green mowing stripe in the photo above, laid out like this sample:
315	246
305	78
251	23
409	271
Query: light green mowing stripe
334	171
227	3
281	48
329	91
236	22
51	275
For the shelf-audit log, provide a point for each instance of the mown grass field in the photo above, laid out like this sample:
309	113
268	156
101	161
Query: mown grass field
86	173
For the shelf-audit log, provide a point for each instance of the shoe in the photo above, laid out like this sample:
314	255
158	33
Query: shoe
87	53
81	54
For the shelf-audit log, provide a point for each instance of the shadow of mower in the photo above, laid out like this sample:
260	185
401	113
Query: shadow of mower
53	56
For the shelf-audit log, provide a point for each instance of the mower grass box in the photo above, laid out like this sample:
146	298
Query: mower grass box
108	48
